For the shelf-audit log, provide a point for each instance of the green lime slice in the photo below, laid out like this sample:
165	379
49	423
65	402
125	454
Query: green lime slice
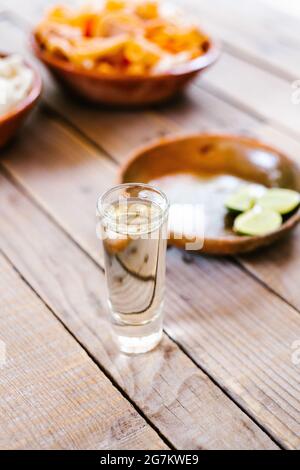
280	200
245	198
257	221
239	202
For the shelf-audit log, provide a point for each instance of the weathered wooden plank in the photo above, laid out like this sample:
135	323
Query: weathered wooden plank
255	90
119	132
277	266
175	395
252	30
247	85
199	112
255	370
240	333
266	96
52	395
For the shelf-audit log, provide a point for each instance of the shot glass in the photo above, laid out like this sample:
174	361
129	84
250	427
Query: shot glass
133	226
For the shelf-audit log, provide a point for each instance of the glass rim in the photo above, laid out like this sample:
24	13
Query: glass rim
104	214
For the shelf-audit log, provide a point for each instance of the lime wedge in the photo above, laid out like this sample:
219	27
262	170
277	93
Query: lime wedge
280	200
239	202
257	221
245	198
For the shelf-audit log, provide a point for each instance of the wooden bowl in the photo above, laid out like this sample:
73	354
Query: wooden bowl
205	169
122	90
11	121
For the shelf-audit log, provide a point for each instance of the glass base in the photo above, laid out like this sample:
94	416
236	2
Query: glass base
138	345
138	339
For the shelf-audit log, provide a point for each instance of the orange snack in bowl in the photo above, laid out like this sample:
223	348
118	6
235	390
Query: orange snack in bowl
115	5
134	37
147	10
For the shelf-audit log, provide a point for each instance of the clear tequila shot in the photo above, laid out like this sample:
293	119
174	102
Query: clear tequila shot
133	219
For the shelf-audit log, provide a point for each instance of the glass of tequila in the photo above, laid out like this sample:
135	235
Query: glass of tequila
133	226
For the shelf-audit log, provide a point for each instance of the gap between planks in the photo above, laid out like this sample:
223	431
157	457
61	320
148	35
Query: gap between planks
271	113
245	35
16	183
241	41
93	358
47	392
168	128
85	139
225	94
70	132
171	352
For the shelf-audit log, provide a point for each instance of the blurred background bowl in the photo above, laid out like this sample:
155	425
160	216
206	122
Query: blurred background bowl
12	121
123	90
181	167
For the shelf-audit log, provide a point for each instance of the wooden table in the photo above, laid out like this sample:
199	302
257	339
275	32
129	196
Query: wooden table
227	372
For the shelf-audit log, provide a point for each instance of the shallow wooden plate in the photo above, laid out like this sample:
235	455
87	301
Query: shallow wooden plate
204	169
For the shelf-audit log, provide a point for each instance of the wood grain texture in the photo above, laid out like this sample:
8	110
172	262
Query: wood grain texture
252	30
262	396
176	396
52	395
243	335
247	29
107	137
120	132
254	89
277	266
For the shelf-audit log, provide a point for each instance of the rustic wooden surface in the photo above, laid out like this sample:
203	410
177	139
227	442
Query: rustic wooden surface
223	376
